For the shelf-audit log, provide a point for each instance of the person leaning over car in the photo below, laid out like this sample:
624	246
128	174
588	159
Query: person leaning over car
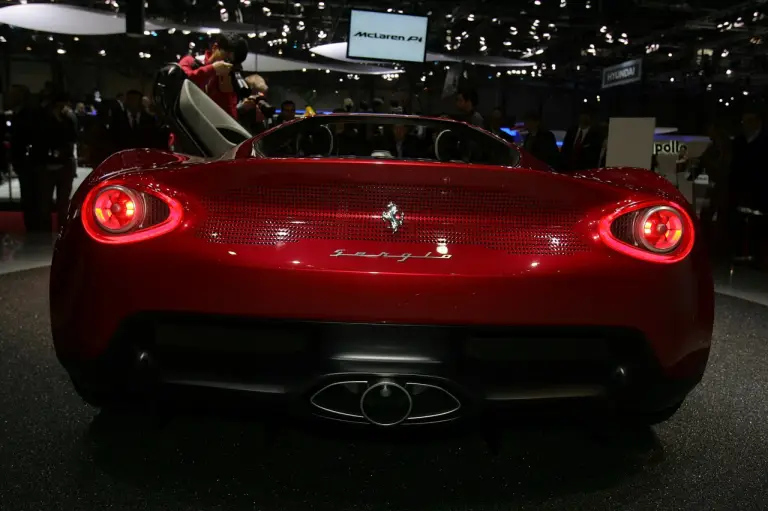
213	75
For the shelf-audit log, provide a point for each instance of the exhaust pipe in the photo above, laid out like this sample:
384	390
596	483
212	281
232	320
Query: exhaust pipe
386	404
385	401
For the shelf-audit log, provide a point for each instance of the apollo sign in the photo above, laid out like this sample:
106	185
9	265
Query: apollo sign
623	74
669	147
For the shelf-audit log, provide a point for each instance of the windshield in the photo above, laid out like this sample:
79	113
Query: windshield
385	138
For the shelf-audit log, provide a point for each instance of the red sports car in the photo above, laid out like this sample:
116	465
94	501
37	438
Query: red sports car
377	269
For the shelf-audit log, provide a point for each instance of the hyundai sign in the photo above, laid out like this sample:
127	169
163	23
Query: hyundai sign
623	74
385	36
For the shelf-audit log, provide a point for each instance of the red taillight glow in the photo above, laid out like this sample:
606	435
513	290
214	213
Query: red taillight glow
661	229
117	209
661	233
116	214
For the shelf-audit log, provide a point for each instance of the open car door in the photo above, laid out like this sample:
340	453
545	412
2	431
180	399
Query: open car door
200	126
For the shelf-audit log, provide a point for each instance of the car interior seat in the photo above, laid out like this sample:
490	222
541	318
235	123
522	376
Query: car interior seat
201	127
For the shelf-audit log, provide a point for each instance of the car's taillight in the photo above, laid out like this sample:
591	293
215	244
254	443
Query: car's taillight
120	214
661	232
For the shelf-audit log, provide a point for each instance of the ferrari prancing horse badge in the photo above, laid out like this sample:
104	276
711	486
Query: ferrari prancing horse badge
393	216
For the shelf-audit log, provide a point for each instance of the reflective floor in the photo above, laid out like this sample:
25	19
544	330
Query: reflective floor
9	189
58	453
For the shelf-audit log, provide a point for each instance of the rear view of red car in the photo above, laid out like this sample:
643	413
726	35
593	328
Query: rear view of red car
385	270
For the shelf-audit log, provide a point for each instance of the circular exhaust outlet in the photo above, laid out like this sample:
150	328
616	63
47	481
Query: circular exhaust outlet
386	404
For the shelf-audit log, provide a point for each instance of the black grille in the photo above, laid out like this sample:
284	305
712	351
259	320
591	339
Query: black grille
623	228
157	211
289	352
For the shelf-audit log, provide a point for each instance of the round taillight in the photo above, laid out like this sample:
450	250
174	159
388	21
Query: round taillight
660	229
117	209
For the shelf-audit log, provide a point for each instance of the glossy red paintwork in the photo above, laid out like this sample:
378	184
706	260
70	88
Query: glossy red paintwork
94	286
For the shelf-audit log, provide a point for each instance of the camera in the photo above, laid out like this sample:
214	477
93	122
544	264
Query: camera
239	85
267	109
239	54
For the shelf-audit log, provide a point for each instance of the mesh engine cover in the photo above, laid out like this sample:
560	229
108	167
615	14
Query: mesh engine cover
287	213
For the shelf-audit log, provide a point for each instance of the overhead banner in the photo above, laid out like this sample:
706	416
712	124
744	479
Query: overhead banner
386	36
623	74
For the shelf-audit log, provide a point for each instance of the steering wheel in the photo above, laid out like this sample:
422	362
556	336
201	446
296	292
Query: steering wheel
326	131
451	144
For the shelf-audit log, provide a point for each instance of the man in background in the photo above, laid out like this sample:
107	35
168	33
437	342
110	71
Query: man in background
403	144
59	137
541	143
747	191
287	111
137	127
582	145
466	102
213	74
496	122
748	165
116	108
24	119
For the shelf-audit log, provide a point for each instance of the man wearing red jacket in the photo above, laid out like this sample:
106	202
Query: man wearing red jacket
213	75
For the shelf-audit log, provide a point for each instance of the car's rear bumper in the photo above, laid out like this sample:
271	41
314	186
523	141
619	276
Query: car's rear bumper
446	373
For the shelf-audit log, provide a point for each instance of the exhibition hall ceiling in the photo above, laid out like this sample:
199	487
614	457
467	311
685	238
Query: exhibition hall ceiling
706	41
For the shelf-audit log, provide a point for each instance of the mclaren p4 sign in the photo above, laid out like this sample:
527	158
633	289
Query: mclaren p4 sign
623	74
388	37
391	37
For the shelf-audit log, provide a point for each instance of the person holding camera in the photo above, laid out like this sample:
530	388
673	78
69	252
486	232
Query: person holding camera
254	111
214	74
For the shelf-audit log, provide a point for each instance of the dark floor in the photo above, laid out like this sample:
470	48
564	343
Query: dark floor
712	455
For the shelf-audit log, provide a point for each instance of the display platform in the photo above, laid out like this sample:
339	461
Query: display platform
10	192
59	453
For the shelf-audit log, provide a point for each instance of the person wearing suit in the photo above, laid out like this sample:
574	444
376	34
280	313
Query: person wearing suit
25	120
57	139
136	128
748	177
466	103
582	145
541	143
495	122
404	145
